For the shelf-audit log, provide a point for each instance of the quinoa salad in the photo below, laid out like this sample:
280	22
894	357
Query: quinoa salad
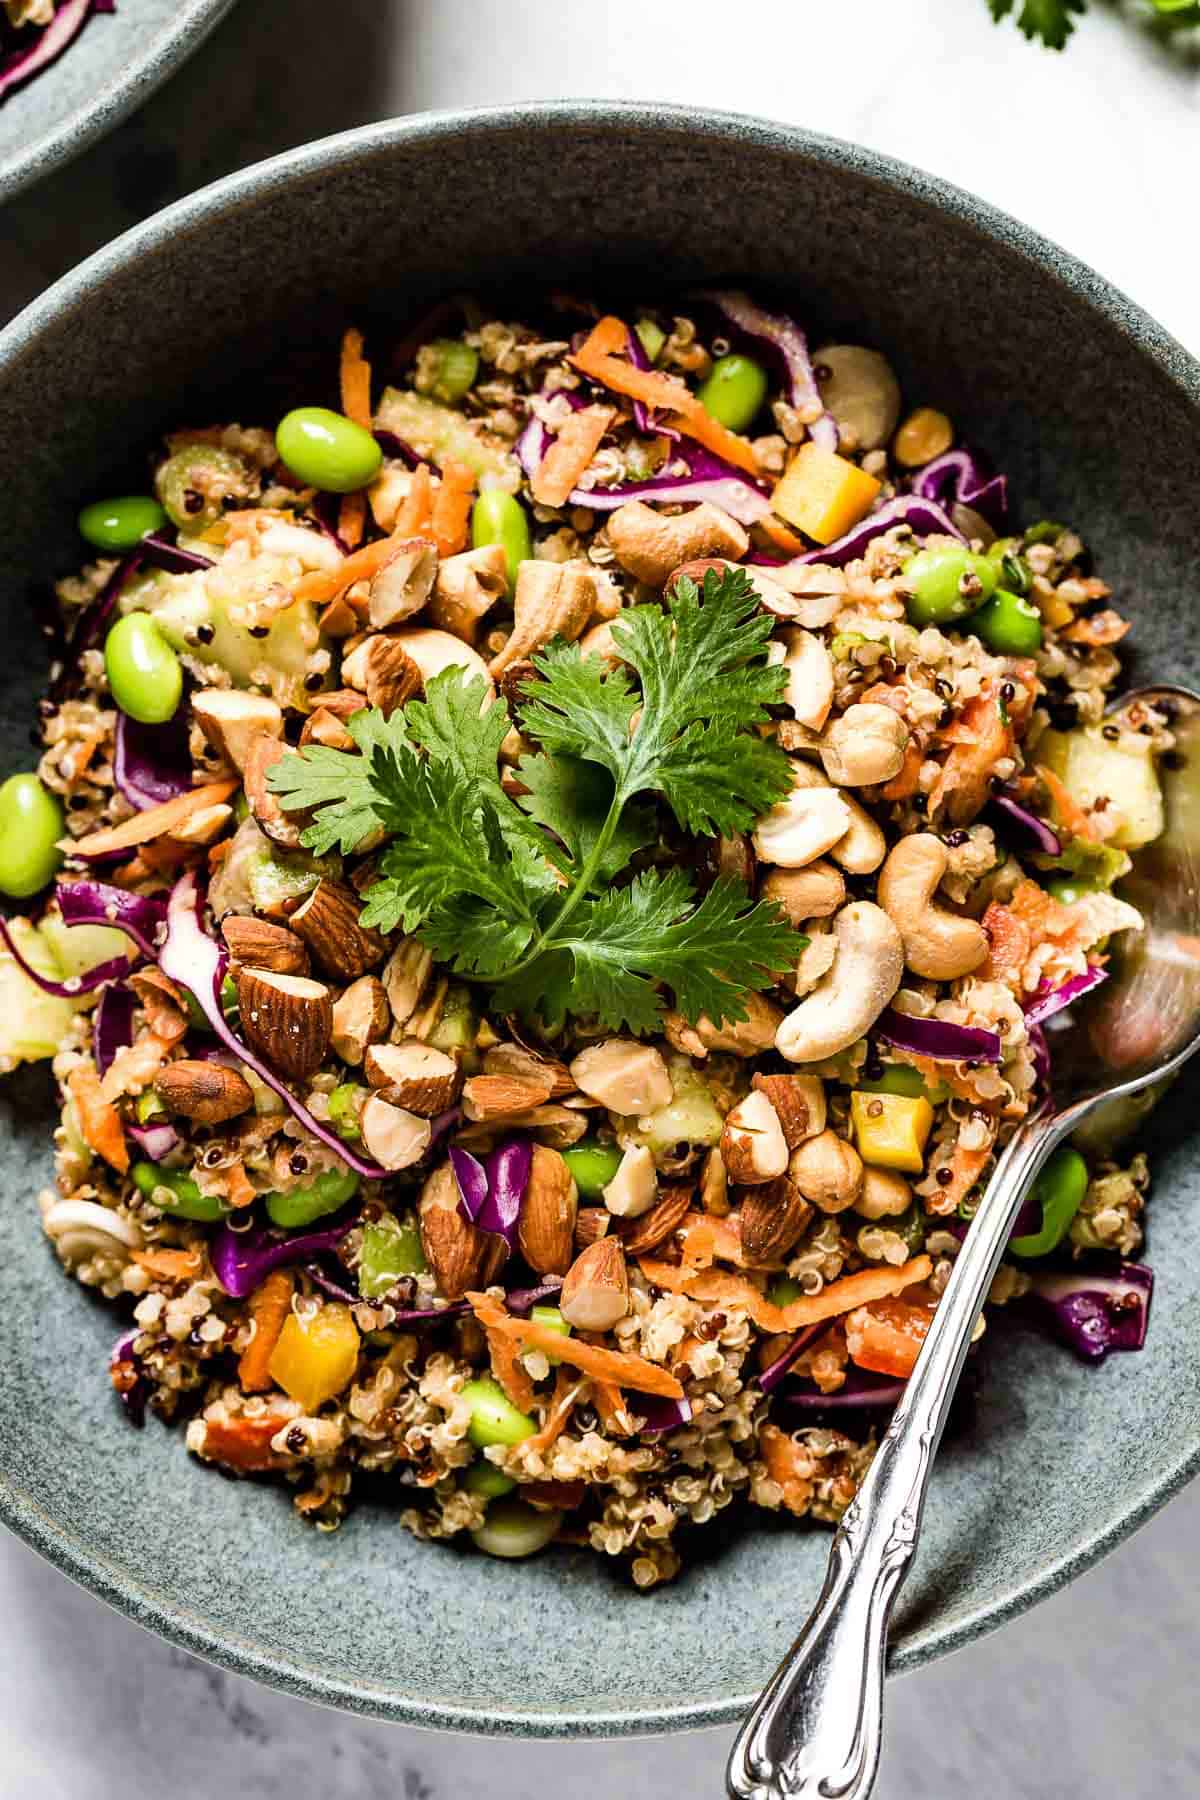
34	33
551	873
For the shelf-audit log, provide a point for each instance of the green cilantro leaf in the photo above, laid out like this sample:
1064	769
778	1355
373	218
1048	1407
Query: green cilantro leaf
1049	20
357	794
573	799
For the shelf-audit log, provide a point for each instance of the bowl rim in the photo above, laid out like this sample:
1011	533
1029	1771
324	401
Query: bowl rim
137	1598
163	52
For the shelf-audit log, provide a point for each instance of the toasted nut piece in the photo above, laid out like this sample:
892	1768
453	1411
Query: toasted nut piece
634	1188
361	1017
884	1194
802	894
207	1092
623	1075
809	690
714	1186
498	1096
433	651
772	1218
395	1137
162	1002
847	1001
805	824
546	1226
403	585
384	671
343	703
328	923
338	619
864	846
753	1147
591	1222
514	1059
467	587
595	1293
749	1037
598	640
828	1171
231	719
325	728
864	746
264	945
732	857
413	1075
641	1235
799	1101
288	1019
815	959
938	944
459	1254
860	390
698	568
551	600
261	756
404	977
650	544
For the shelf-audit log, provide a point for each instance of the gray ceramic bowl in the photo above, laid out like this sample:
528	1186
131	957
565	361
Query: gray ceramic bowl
1095	413
114	65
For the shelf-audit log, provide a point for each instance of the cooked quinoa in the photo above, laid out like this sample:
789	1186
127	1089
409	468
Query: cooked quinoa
625	1274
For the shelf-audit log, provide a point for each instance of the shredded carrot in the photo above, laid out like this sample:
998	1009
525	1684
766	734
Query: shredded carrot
356	404
886	1337
786	1467
452	508
966	1166
810	1309
99	1120
508	1369
416	512
155	822
569	454
707	1239
616	1366
269	1306
979	738
566	1390
609	1402
243	1443
1010	941
135	1065
1102	628
170	1265
596	358
323	585
907	780
352	519
1067	812
239	1190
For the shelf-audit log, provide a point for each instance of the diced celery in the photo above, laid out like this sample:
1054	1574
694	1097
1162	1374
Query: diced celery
32	1023
439	434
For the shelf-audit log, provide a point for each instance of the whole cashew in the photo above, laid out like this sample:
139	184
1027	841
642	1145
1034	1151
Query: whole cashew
937	944
866	745
812	818
863	848
550	600
649	545
809	690
847	1001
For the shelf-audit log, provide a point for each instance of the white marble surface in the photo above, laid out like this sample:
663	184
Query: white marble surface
1093	1693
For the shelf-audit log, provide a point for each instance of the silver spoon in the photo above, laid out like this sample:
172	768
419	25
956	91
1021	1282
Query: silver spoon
816	1732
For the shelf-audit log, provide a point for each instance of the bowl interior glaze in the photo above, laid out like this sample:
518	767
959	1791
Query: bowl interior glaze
1069	387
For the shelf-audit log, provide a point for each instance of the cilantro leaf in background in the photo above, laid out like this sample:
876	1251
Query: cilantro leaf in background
1049	20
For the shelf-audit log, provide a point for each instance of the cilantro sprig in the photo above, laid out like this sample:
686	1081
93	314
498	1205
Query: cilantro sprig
534	895
1053	21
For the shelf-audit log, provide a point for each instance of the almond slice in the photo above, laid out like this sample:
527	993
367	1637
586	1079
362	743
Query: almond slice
799	1102
413	1075
328	923
361	1017
595	1293
772	1217
640	1236
283	828
288	1019
457	1252
493	1096
514	1059
156	821
382	668
264	945
207	1092
395	1137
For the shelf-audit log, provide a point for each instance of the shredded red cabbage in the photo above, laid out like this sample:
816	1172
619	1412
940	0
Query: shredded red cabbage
139	916
924	516
774	1373
156	1142
1045	839
160	549
74	985
659	1413
112	1024
1049	1000
938	1038
790	344
1041	1054
192	958
959	478
133	1398
37	49
861	1389
243	1259
1096	1313
396	447
490	1197
90	624
644	417
152	763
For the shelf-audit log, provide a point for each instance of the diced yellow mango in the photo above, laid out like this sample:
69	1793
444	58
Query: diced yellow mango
316	1357
890	1130
822	494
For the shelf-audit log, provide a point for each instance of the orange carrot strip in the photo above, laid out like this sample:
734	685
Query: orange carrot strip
451	510
980	738
509	1371
904	785
609	1402
352	519
810	1309
886	1337
239	1190
1102	628
355	379
415	515
566	1390
326	584
782	1458
595	359
269	1306
569	454
169	1265
155	822
1067	812
707	1239
243	1443
607	1365
99	1120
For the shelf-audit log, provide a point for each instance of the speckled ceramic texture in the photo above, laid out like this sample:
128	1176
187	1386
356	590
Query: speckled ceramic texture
114	64
1096	415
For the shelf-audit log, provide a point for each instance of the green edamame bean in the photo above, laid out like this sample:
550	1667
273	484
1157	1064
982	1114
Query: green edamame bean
456	368
143	671
515	1529
898	1078
593	1166
1060	1188
783	1290
734	390
651	337
31	823
1009	625
174	1192
327	450
494	1418
1012	571
345	1105
1068	888
390	1251
192	483
485	1478
1045	531
324	1195
496	518
121	524
947	584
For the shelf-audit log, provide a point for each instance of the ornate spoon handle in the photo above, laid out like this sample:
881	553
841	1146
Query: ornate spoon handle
815	1733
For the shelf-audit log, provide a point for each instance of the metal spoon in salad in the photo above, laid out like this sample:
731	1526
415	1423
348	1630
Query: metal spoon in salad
816	1732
